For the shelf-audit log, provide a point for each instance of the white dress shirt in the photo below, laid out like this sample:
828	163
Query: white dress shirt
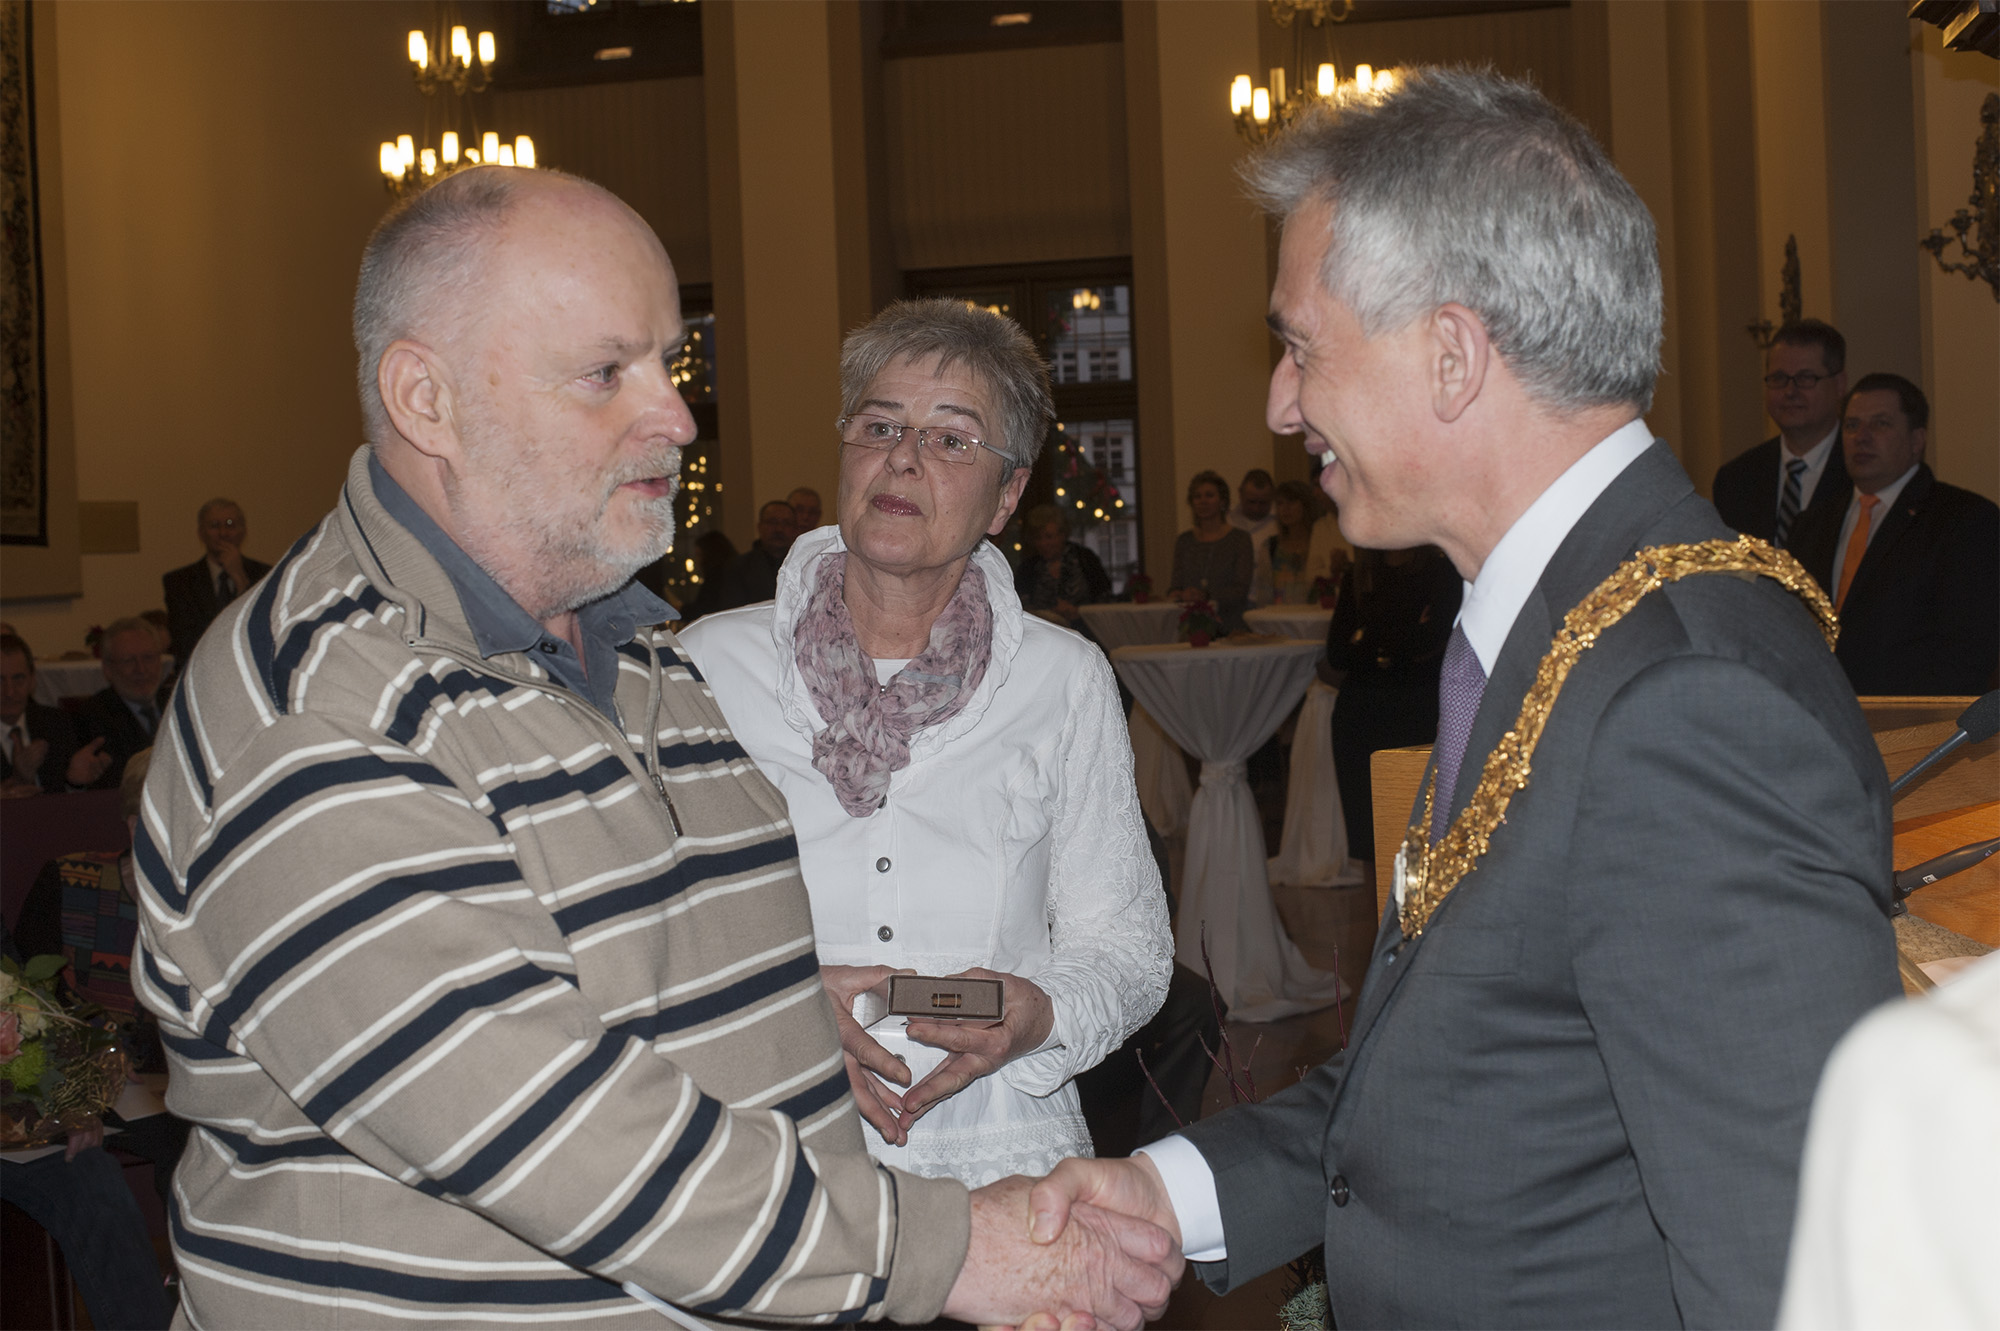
7	737
1815	457
1887	496
1492	602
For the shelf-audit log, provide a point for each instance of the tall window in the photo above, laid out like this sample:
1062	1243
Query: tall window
1080	316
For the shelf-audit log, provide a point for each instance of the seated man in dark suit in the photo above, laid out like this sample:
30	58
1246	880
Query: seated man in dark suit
1912	564
125	713
38	745
196	594
1763	492
753	575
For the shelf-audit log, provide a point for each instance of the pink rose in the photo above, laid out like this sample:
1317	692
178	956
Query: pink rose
10	1035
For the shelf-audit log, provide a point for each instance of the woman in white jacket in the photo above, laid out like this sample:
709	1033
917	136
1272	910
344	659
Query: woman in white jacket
959	773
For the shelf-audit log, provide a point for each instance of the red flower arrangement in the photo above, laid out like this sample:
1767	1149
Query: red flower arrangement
1199	623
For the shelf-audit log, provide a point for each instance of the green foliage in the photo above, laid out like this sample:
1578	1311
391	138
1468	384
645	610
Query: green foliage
25	1072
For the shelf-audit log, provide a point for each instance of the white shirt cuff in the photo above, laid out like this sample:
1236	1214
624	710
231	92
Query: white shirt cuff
1191	1188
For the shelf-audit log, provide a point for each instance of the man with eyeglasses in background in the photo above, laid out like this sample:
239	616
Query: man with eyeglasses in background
196	594
1765	491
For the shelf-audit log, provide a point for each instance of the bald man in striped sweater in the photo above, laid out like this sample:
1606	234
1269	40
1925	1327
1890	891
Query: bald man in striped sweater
479	946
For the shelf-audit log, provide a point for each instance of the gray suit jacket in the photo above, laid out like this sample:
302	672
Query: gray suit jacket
1579	1098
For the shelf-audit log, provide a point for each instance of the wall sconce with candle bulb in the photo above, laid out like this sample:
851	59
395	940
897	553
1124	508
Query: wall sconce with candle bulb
449	66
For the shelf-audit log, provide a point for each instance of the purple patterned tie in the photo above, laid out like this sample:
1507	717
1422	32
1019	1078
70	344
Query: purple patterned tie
1460	685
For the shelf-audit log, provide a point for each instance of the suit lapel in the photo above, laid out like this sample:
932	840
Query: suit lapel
1902	515
204	591
1602	538
1766	476
1834	489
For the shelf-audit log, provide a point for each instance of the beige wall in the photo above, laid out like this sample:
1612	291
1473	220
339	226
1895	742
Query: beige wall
1790	92
790	294
1624	93
215	163
1960	319
1201	288
218	168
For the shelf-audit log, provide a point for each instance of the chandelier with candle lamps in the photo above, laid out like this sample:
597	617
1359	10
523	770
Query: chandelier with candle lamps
449	67
1262	111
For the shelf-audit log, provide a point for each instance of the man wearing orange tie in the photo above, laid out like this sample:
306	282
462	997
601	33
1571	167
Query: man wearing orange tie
1914	564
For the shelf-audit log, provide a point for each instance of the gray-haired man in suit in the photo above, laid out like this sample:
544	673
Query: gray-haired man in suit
1575	1092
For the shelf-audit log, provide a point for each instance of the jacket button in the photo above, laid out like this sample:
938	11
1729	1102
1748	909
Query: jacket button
1339	1190
882	865
885	933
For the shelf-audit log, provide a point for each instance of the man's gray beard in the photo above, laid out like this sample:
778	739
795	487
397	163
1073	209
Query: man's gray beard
557	572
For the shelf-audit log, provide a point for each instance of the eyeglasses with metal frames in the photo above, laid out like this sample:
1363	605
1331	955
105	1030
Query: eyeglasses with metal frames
865	430
1805	380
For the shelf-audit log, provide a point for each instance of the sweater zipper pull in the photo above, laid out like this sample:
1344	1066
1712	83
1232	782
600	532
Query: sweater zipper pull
673	816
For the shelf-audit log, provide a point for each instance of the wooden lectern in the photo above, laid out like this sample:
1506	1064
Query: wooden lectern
1956	803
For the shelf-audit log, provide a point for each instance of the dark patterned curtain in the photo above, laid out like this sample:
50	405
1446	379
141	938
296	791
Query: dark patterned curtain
23	405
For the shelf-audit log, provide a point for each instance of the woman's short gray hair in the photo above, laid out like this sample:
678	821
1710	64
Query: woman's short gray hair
1464	186
953	332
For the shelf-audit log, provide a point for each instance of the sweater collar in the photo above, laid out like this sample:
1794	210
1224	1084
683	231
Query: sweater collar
449	597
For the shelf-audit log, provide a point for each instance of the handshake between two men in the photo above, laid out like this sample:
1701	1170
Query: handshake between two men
1096	1242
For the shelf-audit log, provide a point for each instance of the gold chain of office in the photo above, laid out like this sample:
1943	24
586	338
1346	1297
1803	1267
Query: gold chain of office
1431	872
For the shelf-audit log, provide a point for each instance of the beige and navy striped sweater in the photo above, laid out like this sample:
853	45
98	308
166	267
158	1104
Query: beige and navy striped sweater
471	1033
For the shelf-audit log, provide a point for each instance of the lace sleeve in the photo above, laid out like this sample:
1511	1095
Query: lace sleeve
1112	949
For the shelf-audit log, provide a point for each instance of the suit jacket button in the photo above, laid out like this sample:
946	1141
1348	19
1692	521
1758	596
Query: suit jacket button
1339	1189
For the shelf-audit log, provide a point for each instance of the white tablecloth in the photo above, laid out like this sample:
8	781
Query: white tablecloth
1290	621
1164	793
1313	852
1220	704
1122	624
56	680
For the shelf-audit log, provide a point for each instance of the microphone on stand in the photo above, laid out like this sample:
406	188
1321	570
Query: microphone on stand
1944	866
1976	723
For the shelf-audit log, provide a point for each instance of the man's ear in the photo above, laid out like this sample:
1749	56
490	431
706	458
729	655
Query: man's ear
416	393
1010	498
1462	355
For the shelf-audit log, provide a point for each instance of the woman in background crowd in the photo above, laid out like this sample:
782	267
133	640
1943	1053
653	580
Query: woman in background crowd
958	772
1287	552
1057	574
1213	560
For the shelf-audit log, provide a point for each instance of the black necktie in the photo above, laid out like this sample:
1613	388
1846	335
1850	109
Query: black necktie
225	589
1788	503
16	737
149	717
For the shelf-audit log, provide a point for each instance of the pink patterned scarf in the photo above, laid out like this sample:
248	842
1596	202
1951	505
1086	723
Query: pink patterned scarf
867	738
